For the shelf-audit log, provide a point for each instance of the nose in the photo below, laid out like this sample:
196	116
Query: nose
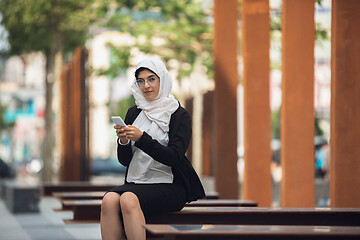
146	84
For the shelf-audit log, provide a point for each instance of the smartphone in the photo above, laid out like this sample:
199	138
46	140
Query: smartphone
118	121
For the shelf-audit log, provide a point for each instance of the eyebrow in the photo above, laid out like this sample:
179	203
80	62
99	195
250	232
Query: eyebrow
152	75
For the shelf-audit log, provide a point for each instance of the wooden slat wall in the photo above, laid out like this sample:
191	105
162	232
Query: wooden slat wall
345	104
297	110
226	81
208	135
74	147
257	116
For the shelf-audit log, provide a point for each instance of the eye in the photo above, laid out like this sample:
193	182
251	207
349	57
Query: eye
152	79
140	81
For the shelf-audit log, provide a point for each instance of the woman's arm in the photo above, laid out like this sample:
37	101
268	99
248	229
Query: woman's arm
124	152
179	139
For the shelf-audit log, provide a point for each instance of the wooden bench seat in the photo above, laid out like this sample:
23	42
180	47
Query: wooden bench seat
222	203
87	195
94	205
94	195
242	215
49	188
251	232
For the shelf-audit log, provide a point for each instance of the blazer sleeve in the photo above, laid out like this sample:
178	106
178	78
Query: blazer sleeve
179	139
124	152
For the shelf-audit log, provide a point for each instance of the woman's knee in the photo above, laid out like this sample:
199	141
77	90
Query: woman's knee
110	202
129	202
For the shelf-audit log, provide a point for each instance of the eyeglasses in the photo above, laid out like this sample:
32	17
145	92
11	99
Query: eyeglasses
141	82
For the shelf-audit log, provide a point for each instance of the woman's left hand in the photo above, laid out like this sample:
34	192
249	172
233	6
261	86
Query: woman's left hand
132	133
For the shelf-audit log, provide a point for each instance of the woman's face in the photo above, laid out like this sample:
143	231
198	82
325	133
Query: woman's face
149	84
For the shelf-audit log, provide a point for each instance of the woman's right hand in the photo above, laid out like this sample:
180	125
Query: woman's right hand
120	133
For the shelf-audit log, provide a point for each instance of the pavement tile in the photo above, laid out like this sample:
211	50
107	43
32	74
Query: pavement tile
10	229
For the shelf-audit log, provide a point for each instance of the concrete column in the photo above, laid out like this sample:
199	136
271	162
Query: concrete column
297	111
226	80
257	117
345	104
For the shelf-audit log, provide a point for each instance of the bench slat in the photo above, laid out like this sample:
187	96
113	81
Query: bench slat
77	195
50	188
244	232
95	203
248	215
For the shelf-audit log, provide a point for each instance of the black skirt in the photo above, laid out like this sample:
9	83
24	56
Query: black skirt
156	198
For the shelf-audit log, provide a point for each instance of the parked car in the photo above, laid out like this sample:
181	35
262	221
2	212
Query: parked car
101	166
6	171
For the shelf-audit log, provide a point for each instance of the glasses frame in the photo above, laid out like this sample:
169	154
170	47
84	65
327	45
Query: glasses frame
141	82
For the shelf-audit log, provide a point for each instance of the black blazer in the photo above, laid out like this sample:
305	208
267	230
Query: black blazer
173	155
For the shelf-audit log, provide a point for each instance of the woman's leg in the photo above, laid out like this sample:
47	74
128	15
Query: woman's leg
133	216
110	222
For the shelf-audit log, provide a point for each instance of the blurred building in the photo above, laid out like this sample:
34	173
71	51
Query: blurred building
22	93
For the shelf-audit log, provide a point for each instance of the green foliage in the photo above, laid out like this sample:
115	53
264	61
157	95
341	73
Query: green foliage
42	25
180	27
275	22
122	106
119	62
318	2
3	124
275	123
318	130
321	33
2	120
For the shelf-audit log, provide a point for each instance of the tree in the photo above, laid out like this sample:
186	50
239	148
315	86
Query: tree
182	29
178	30
3	124
51	27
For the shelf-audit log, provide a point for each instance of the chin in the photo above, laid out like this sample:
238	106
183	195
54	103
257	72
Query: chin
149	98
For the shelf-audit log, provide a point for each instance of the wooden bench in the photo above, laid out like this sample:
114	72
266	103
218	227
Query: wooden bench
222	203
98	195
49	188
87	195
94	205
94	195
242	215
250	232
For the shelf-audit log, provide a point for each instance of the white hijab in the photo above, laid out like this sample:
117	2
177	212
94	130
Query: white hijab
160	109
154	119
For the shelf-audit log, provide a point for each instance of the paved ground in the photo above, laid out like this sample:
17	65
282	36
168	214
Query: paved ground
45	225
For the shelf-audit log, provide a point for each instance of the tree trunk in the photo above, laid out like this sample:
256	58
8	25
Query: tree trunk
49	139
48	144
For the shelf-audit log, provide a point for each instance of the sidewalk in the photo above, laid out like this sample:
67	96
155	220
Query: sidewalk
45	225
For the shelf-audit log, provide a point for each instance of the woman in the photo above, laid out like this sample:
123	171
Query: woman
159	178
